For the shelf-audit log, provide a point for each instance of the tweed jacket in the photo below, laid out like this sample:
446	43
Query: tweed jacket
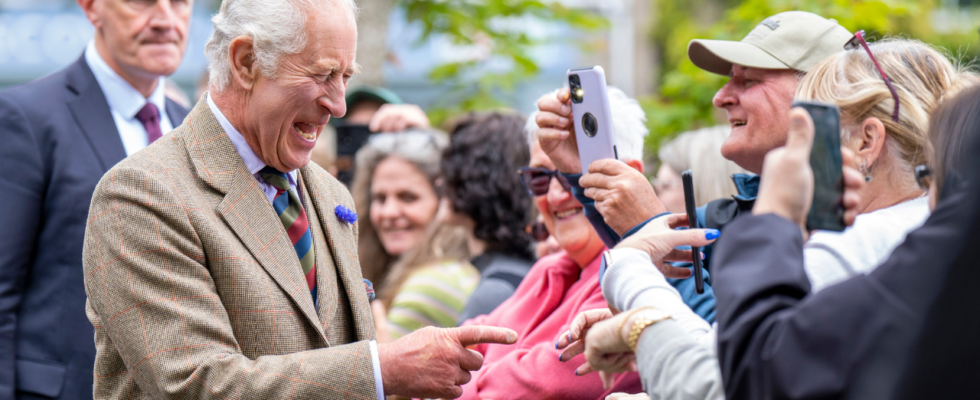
196	292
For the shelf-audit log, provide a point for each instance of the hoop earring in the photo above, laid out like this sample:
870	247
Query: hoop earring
866	171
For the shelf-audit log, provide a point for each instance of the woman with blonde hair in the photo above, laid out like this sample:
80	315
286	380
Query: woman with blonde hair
885	123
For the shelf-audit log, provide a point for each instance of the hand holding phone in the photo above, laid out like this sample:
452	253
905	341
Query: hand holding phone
692	220
591	116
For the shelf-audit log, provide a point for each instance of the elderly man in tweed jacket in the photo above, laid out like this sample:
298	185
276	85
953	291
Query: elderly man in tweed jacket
220	263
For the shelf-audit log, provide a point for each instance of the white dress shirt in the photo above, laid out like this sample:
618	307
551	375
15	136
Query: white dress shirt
254	165
125	101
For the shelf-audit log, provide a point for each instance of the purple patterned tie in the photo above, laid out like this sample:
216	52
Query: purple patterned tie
150	117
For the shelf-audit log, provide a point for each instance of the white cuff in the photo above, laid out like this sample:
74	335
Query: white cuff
379	388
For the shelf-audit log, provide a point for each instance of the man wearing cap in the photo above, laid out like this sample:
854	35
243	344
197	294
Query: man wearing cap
764	69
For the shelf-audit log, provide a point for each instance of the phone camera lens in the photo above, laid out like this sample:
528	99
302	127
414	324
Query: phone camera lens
575	87
589	124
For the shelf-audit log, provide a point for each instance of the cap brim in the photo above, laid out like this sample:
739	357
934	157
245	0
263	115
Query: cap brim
717	56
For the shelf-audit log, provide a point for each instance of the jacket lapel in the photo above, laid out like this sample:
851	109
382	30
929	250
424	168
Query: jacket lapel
343	245
91	112
246	208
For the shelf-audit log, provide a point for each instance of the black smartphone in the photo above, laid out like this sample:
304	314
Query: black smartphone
827	209
692	221
350	139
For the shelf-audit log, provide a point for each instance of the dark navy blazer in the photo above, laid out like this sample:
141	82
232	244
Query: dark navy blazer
57	139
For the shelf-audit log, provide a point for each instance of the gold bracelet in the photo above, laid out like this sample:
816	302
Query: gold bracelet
619	330
639	326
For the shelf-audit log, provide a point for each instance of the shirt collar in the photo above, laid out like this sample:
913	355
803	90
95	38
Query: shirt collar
747	186
252	160
122	97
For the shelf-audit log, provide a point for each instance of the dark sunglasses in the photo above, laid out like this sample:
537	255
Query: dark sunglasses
537	180
858	41
538	231
922	174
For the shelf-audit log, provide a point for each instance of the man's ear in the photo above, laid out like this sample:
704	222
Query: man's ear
636	164
241	55
89	8
872	140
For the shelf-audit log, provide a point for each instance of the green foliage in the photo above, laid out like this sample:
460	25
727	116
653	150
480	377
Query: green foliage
491	23
684	101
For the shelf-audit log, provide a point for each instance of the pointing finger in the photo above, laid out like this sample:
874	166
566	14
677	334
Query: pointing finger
470	335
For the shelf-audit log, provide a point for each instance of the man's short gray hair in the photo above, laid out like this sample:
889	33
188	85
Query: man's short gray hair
629	124
277	28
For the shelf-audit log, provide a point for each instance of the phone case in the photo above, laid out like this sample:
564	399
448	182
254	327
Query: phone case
595	102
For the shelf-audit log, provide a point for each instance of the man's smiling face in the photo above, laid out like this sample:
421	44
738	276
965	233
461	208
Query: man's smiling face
288	112
758	103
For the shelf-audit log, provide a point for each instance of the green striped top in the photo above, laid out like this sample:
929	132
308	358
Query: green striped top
432	296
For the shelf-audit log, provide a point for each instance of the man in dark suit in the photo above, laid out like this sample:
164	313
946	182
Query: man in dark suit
61	133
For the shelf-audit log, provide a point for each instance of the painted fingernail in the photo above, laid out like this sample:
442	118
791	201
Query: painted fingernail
576	372
569	337
559	356
556	345
710	234
702	255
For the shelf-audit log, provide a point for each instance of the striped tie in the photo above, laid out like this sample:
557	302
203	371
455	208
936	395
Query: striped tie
293	218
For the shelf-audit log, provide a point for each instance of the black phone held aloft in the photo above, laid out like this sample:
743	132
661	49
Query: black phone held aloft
692	220
827	209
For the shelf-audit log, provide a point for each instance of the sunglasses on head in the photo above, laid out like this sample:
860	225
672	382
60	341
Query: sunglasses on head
858	41
537	180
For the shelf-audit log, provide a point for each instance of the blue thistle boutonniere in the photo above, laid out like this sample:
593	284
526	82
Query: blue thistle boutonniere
345	214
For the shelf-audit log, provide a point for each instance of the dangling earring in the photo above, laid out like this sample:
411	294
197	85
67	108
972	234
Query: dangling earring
866	171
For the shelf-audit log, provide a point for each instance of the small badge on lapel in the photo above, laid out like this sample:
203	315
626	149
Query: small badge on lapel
345	214
369	287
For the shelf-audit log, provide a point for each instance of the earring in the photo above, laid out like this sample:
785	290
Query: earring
866	171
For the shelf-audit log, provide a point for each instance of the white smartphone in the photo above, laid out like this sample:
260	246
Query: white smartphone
592	116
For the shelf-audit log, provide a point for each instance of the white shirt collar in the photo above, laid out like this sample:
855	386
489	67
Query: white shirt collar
252	160
122	97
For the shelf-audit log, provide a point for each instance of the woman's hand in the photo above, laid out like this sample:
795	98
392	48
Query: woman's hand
622	194
556	133
574	342
787	184
659	239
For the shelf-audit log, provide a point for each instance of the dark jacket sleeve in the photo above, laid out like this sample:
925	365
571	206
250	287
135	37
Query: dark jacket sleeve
776	340
22	188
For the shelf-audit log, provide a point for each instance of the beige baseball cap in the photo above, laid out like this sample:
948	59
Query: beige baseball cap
794	40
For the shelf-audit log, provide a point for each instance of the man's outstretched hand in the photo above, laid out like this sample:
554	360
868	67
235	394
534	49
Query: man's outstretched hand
434	362
557	133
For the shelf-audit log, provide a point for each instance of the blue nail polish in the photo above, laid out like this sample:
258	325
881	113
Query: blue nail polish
559	357
702	254
710	234
569	337
556	345
576	372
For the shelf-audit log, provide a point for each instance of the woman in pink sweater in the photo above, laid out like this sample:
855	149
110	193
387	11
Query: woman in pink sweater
556	289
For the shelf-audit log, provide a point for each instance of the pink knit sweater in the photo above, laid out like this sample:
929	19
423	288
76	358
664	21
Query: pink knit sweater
549	297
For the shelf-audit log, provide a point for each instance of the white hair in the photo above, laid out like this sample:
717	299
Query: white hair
277	28
629	126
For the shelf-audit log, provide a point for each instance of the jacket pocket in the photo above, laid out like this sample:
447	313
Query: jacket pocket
40	377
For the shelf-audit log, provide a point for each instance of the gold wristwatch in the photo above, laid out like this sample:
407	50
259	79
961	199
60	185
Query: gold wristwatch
647	318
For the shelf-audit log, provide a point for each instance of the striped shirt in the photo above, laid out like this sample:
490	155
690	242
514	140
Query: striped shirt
432	296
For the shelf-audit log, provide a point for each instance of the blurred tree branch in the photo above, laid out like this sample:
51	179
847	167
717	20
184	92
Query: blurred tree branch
490	26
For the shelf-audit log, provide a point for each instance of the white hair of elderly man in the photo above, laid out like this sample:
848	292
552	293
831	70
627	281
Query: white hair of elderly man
629	124
277	28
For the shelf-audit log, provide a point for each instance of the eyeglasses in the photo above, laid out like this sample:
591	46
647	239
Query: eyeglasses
537	180
858	41
538	231
922	175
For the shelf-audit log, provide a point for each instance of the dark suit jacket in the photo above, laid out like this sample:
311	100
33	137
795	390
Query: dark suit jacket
58	139
852	340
